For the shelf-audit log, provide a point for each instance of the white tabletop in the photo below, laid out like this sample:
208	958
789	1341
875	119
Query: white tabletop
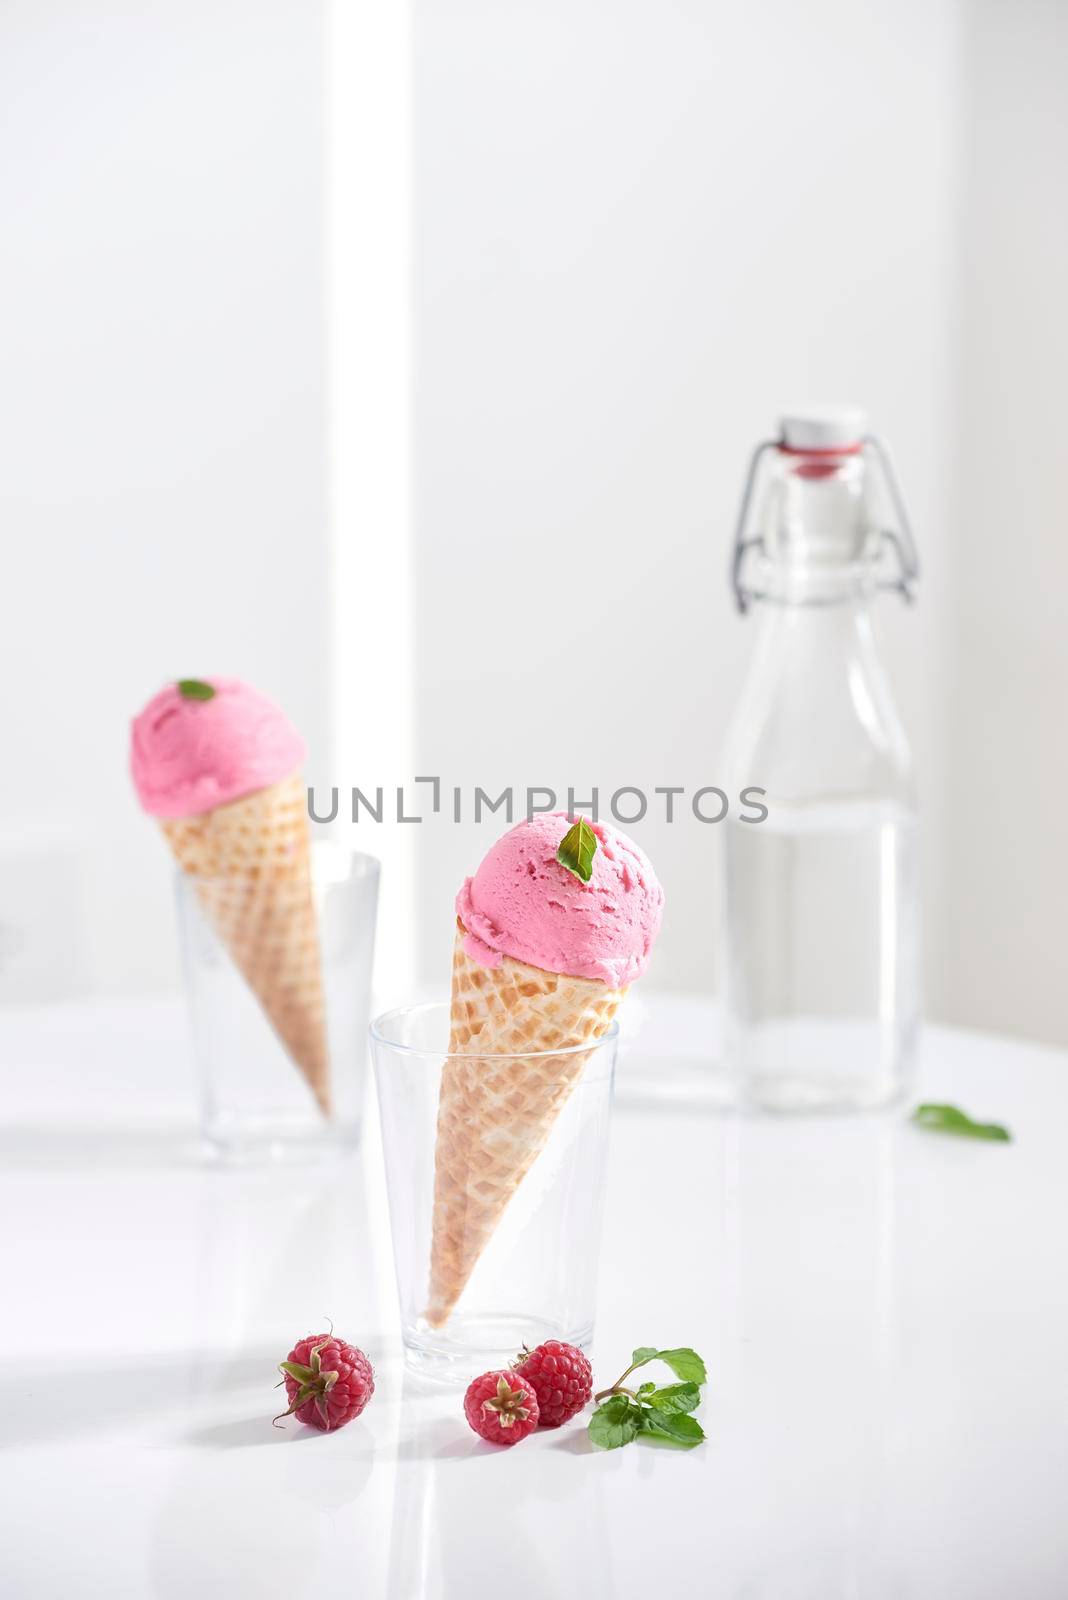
884	1313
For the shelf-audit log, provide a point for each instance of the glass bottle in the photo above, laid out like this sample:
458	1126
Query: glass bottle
820	897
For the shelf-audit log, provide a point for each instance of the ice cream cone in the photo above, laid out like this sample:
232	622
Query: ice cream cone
497	1108
250	861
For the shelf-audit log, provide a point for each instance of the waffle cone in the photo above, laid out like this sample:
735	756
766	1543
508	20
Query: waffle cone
494	1115
251	864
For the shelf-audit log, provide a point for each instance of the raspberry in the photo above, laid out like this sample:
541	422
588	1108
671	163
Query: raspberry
561	1378
501	1407
328	1382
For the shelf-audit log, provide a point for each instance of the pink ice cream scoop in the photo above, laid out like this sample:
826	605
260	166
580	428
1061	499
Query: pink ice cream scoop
524	903
192	750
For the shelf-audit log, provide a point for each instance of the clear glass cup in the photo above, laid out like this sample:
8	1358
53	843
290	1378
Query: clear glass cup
256	1100
535	1276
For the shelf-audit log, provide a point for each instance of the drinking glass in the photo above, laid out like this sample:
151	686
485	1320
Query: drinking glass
256	1101
533	1264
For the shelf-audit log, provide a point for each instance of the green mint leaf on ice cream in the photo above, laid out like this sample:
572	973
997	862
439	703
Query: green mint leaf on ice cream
950	1119
577	849
195	689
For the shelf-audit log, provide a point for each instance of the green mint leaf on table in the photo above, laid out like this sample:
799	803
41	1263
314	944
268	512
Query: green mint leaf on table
195	689
674	1398
685	1364
656	1413
615	1423
950	1119
577	849
681	1430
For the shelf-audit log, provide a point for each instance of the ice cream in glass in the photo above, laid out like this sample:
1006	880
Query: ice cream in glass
218	764
557	922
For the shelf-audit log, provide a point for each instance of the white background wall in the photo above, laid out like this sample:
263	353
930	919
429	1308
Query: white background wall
161	425
638	230
1005	960
637	238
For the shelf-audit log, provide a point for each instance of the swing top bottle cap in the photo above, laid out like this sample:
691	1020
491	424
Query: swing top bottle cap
823	428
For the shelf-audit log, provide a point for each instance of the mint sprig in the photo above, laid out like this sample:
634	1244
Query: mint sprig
950	1119
195	689
650	1411
615	1423
577	849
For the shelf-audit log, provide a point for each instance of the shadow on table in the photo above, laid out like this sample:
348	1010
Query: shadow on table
40	1147
448	1484
43	1402
238	1518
